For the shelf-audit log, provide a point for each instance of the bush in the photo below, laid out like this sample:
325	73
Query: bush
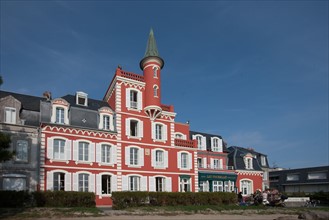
123	200
15	199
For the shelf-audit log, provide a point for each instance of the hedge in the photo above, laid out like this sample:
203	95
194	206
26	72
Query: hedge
123	200
46	199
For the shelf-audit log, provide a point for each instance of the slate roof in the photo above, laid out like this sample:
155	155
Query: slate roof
208	139
29	102
93	104
236	155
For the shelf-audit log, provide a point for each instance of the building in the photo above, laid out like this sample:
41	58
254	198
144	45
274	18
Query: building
214	174
307	180
19	117
248	166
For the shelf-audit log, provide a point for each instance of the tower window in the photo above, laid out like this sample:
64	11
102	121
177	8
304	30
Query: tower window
155	72
155	91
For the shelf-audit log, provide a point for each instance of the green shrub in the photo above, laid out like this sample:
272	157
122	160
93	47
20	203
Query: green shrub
15	199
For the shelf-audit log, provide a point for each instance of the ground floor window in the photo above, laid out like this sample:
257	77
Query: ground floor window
83	182
204	186
185	184
159	184
246	187
59	181
134	183
217	186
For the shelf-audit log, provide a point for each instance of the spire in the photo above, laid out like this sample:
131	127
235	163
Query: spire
151	50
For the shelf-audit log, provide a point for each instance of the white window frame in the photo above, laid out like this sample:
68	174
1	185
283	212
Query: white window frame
155	72
83	151
216	144
57	178
22	155
141	186
137	105
76	152
10	115
54	112
156	91
139	128
204	186
140	157
180	162
201	141
185	182
248	162
99	184
246	187
156	136
179	135
217	186
263	160
156	164
50	149
99	154
102	122
50	179
61	149
81	95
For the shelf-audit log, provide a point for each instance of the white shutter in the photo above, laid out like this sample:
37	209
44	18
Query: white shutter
14	116
113	154
50	149
140	128
190	164
128	98
143	183
99	184
98	153
114	185
124	183
153	157
211	163
75	182
204	163
139	100
204	143
128	127
212	143
168	184
67	182
141	157
184	137
165	133
127	155
75	150
220	144
165	159
179	159
68	149
92	152
50	179
152	184
193	137
221	164
91	182
153	130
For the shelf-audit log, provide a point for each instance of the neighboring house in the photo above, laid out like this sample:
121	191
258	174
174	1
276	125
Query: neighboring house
214	174
307	180
19	117
248	168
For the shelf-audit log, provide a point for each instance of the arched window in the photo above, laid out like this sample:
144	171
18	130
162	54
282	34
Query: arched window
246	187
155	91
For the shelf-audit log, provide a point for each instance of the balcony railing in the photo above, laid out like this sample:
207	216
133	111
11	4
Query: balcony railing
186	143
130	75
208	167
168	108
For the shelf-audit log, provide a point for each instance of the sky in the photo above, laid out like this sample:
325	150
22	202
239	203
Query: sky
254	72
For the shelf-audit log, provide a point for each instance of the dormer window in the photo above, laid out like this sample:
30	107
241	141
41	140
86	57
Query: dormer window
60	111
59	115
248	161
10	115
201	141
82	98
216	144
106	119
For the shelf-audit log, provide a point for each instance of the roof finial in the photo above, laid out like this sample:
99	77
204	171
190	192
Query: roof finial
151	48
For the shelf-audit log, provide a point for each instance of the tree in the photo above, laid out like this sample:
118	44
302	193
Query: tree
5	154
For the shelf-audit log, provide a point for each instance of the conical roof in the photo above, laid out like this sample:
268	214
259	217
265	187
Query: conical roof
151	49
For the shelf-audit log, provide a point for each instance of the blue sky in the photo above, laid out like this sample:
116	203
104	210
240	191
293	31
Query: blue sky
254	72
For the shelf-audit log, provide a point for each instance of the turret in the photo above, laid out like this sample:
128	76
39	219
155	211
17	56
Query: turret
151	65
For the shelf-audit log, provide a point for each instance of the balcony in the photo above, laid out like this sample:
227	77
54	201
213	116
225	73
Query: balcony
208	167
167	108
186	143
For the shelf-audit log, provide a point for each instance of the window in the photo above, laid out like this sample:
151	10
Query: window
10	115
178	136
134	183
159	184
199	160
134	128
184	160
199	139
106	184
59	149
217	186
133	156
155	91
59	181
21	151
263	160
83	182
83	151
14	182
82	98
216	144
106	122
59	115
248	163
317	176
133	99
106	153
159	158
228	186
155	72
159	131
184	184
246	187
292	177
204	186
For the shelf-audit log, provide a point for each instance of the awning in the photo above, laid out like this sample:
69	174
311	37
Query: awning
217	176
